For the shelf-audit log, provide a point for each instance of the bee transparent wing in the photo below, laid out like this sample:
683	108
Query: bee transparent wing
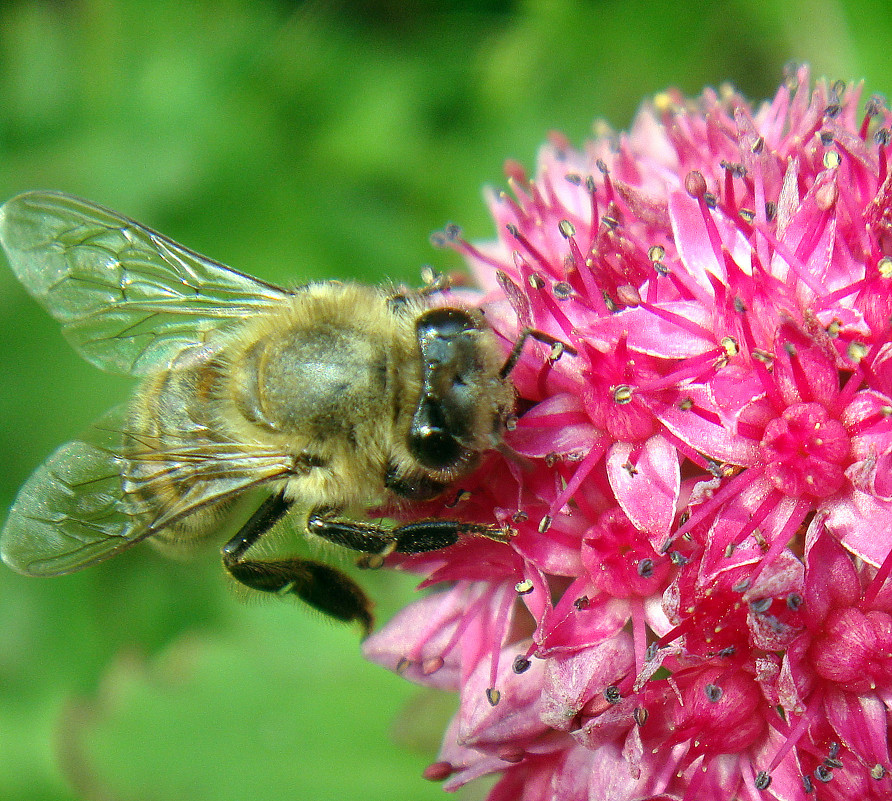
128	298
74	510
68	514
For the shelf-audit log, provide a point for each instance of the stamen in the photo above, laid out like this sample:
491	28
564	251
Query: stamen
793	736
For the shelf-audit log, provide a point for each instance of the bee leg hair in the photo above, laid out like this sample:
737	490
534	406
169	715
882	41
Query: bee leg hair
323	587
416	537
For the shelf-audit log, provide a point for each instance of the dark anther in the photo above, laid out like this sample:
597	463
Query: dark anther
440	239
762	605
874	105
713	692
562	290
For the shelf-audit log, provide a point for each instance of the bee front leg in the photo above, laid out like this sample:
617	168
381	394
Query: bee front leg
417	537
558	348
323	587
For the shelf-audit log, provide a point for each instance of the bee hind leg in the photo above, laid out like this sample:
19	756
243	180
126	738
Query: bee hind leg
323	587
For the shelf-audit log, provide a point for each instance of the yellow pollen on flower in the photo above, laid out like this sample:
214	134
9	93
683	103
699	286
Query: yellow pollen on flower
566	228
884	265
602	129
663	102
557	350
832	159
622	394
856	351
657	252
730	345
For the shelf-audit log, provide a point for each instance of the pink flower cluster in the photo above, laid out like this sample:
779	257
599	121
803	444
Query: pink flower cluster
696	603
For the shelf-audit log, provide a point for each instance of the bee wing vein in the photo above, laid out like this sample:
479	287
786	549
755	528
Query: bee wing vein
102	275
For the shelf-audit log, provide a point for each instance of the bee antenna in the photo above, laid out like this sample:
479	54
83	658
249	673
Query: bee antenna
558	348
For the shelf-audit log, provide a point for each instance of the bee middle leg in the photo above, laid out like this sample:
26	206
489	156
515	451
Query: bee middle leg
323	587
380	541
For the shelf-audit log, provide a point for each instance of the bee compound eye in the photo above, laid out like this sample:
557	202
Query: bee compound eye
444	323
435	448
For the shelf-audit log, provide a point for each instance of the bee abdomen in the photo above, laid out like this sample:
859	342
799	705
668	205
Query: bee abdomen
173	450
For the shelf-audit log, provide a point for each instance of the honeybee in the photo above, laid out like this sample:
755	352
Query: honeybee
330	398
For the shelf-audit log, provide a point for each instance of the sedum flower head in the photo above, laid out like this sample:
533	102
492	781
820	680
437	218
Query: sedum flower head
695	602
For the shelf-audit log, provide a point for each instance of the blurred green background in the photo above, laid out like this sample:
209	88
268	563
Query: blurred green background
293	141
